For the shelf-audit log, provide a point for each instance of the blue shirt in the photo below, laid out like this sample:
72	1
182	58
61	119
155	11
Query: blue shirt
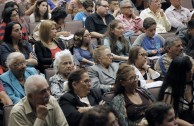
51	4
80	16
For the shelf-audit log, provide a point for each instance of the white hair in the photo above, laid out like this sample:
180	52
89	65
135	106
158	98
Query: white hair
30	85
59	56
12	58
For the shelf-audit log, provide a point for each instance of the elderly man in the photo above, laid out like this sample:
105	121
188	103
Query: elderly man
97	23
178	15
38	108
154	11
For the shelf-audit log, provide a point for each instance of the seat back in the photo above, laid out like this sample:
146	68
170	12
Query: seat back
68	18
6	113
154	91
1	9
73	26
49	72
108	96
32	26
187	4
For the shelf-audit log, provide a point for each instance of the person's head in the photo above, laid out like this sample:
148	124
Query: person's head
13	5
88	6
82	37
173	46
47	30
176	3
102	8
190	27
126	8
10	14
102	115
58	15
149	25
137	56
37	92
115	29
41	10
16	62
79	82
113	4
160	114
102	55
125	79
63	63
154	5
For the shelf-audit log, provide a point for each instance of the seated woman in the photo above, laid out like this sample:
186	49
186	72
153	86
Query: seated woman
14	43
82	49
101	115
103	73
161	114
63	65
4	98
75	6
138	59
178	90
13	80
27	6
80	98
48	46
116	42
130	102
40	12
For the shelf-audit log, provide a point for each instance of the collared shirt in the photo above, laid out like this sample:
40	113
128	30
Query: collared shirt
163	24
94	23
134	24
22	114
176	17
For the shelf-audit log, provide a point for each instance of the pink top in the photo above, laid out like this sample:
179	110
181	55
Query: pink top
54	51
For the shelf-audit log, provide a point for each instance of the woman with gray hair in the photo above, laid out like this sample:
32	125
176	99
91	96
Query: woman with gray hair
63	65
13	80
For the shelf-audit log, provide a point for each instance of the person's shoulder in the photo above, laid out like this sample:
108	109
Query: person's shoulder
32	70
19	107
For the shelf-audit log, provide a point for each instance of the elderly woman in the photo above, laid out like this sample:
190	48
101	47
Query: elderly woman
130	102
138	59
103	73
80	98
63	65
13	80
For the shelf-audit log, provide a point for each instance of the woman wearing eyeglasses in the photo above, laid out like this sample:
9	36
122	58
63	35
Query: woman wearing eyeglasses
130	102
80	98
138	59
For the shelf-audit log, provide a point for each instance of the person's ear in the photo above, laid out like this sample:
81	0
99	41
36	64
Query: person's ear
74	85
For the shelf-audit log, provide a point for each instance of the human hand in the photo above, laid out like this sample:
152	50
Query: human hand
154	52
102	102
161	12
84	109
66	33
161	50
41	111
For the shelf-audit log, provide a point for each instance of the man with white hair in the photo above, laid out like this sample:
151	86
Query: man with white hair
37	108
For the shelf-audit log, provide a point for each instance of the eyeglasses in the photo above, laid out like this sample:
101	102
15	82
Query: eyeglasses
133	78
143	54
105	6
19	64
128	7
109	55
87	81
89	11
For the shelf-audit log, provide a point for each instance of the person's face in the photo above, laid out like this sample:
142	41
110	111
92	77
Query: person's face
14	16
118	30
112	120
176	3
106	58
156	4
191	32
176	49
131	81
169	119
66	66
150	32
86	37
102	10
89	10
127	9
53	32
16	7
141	58
43	7
114	5
19	65
83	86
16	33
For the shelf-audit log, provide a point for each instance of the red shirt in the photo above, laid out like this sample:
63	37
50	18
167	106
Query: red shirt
54	51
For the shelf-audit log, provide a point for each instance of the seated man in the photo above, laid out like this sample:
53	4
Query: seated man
154	11
37	108
132	24
97	23
178	15
113	7
153	43
4	98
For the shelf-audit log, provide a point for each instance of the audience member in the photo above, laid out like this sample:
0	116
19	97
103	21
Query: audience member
13	80
161	114
140	4
178	15
37	108
54	3
130	102
40	12
80	98
133	25
13	43
101	115
177	89
82	48
27	6
116	42
97	23
154	11
88	9
48	46
4	97
75	6
114	7
103	73
63	65
138	60
153	43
